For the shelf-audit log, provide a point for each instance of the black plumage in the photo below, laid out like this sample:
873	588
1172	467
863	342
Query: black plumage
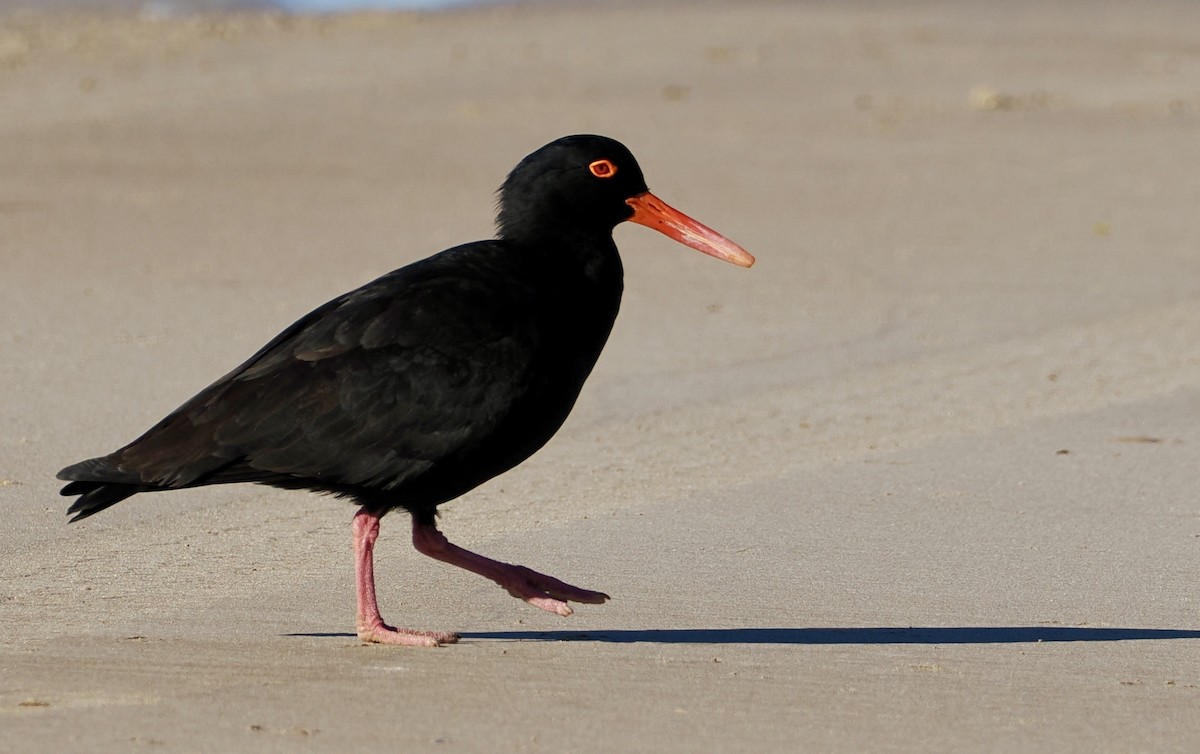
430	380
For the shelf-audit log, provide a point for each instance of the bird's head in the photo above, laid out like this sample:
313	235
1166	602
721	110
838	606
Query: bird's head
592	183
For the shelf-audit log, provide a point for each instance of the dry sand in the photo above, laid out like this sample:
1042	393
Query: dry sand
922	480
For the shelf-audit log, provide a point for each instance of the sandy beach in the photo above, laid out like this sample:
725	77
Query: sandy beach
923	479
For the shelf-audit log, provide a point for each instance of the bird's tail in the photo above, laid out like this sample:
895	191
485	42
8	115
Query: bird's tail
99	485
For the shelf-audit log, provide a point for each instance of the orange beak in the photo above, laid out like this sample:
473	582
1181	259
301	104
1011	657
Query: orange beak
654	213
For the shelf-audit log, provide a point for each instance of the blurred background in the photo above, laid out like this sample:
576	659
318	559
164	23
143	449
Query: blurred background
187	7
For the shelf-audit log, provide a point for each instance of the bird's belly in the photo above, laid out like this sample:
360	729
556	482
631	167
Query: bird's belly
526	429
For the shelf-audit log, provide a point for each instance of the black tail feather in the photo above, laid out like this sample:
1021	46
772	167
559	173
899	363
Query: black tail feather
96	496
105	470
99	484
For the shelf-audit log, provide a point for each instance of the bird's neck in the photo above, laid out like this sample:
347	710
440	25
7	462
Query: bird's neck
569	252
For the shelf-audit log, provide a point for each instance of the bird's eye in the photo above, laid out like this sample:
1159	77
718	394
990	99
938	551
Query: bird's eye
603	168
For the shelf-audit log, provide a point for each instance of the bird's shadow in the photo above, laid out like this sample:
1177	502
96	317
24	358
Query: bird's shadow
826	636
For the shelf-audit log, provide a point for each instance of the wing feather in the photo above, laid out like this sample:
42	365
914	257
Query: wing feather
374	388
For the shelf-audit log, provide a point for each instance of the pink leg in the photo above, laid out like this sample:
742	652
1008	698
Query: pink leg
537	589
371	627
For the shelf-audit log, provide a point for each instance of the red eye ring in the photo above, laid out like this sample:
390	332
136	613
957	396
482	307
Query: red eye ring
603	168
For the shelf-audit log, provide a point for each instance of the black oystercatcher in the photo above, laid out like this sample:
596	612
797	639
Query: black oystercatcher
418	386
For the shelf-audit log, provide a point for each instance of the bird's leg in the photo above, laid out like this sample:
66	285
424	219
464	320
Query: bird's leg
537	589
371	627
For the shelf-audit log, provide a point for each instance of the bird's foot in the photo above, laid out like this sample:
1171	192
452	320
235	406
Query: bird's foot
537	589
545	592
381	633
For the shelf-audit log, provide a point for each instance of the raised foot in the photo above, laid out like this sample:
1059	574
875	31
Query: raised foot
383	634
537	589
546	592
